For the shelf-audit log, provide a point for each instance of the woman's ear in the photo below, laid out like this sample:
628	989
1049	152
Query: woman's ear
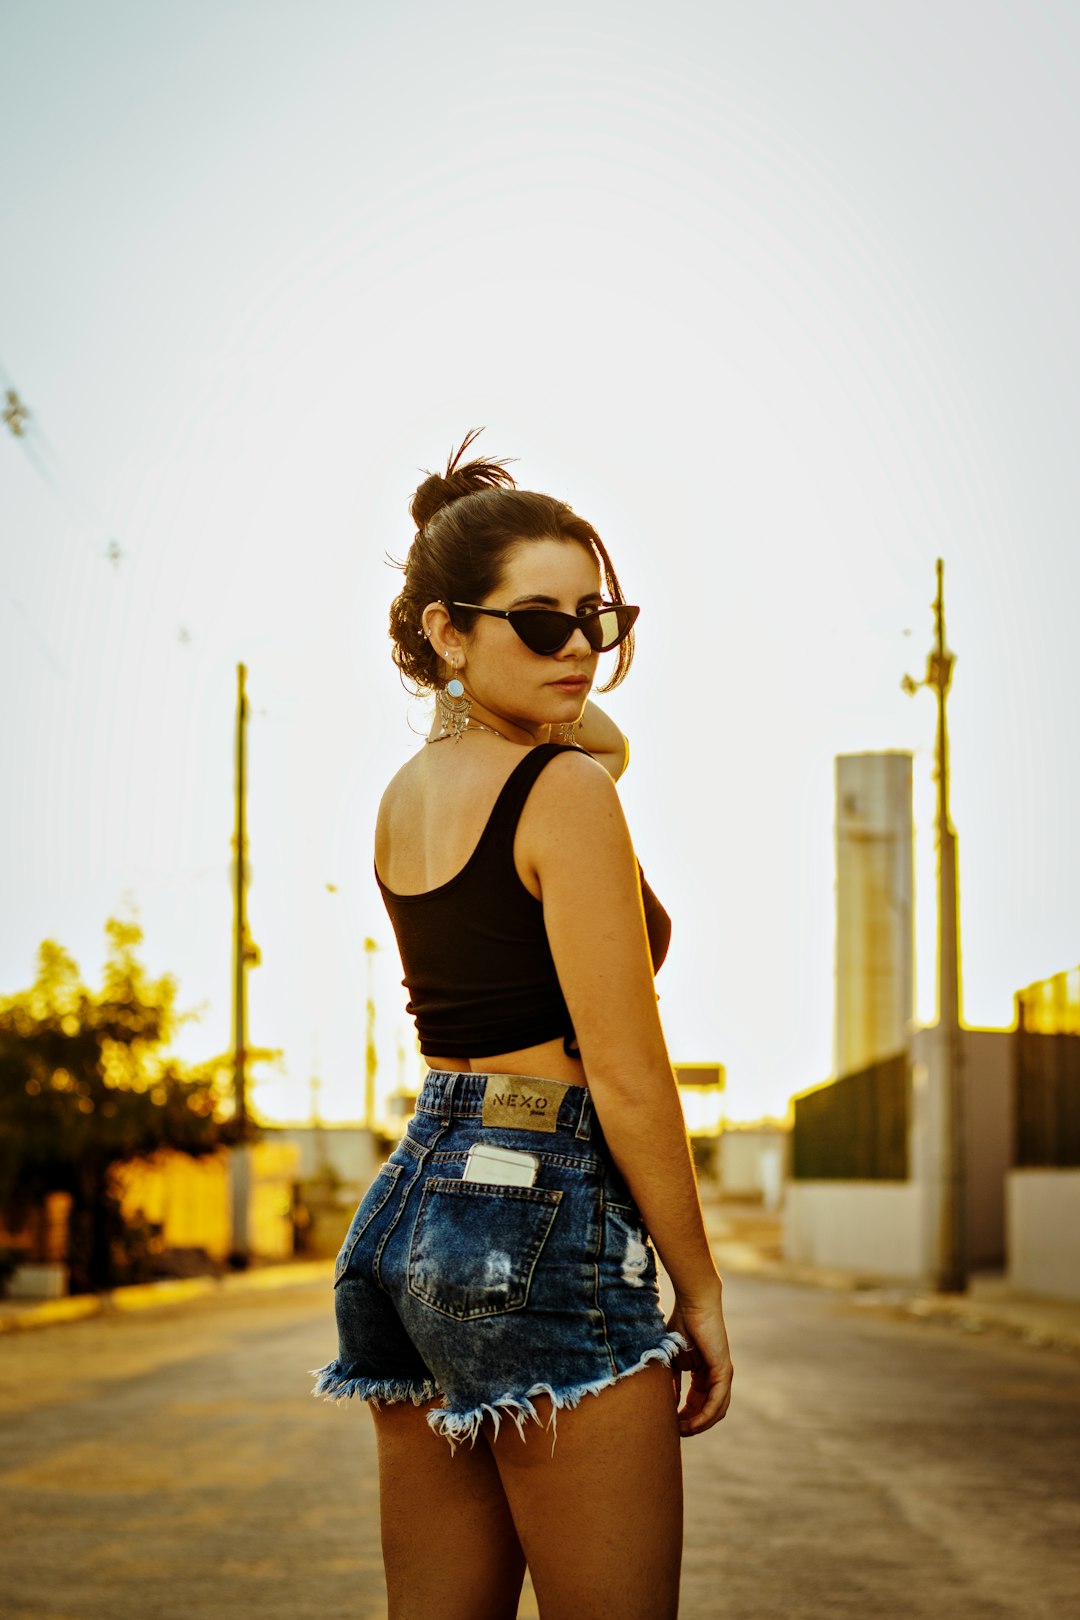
442	632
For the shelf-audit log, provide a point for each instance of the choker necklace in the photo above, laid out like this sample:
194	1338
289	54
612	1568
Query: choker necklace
470	725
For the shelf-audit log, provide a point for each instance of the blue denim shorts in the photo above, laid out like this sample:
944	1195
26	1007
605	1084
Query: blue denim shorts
480	1296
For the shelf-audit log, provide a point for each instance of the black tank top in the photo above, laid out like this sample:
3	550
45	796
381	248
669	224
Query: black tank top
478	967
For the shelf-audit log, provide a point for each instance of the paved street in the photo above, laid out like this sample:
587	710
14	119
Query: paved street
172	1463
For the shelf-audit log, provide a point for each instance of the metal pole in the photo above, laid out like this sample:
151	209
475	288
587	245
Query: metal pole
952	1274
951	1269
239	1254
371	1060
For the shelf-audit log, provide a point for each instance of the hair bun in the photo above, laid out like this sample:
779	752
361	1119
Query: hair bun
442	489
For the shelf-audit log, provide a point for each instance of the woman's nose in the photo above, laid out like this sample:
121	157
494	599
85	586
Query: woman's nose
577	645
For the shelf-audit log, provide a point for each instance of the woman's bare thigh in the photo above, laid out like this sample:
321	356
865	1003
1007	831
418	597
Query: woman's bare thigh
599	1512
449	1545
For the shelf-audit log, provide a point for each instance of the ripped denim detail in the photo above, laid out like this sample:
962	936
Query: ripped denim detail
334	1384
635	1264
457	1427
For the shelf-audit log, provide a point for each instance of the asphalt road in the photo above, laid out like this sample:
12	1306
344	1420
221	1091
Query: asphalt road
172	1464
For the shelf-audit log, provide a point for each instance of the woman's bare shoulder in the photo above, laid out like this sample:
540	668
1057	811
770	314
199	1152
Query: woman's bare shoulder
576	779
574	803
401	790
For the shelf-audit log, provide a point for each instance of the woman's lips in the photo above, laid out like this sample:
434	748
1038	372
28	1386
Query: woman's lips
572	683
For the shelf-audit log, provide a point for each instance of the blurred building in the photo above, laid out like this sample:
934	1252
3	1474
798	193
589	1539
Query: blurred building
337	1164
187	1202
870	1152
1043	1185
752	1162
701	1087
181	1206
874	1148
875	938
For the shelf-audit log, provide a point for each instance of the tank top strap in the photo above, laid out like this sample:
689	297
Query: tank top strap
502	824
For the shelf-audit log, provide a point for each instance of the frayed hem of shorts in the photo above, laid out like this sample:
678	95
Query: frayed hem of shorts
334	1384
457	1427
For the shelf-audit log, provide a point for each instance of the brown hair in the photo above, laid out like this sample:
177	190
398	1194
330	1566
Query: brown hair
467	519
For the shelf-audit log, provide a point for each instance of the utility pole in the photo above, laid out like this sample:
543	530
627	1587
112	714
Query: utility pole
952	1268
371	1060
245	955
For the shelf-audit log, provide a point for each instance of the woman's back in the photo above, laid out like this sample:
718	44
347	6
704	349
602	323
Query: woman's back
473	939
434	812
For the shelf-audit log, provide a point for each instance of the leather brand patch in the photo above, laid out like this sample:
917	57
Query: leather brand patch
519	1103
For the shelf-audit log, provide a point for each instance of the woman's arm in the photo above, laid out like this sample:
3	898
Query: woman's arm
574	836
597	733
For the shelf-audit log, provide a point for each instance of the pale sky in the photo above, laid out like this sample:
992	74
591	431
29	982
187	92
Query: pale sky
781	297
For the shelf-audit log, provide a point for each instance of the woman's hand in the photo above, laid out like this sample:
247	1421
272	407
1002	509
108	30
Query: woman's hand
597	733
708	1361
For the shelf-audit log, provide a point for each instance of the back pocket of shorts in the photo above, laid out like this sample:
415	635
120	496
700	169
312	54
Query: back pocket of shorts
370	1205
475	1246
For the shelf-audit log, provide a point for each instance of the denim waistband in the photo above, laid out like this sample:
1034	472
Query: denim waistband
448	1095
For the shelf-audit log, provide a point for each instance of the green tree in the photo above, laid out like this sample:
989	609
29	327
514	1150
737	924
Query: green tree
85	1084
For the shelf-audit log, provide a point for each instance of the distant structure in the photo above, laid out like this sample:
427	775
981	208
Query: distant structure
875	939
701	1087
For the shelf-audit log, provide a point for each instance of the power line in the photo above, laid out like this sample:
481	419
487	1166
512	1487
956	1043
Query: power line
43	644
25	428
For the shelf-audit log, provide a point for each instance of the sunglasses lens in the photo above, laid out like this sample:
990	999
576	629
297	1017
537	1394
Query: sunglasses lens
612	626
542	629
606	630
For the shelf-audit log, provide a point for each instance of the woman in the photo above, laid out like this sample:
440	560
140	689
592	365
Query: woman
498	1283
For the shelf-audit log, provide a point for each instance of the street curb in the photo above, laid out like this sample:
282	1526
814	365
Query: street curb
15	1318
1043	1324
744	1260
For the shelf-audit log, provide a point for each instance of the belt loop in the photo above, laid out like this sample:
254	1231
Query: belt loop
584	1118
448	1097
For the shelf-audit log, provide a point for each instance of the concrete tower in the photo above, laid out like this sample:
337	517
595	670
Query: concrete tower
875	939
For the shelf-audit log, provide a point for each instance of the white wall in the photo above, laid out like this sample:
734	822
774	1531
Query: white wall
987	1092
872	1227
350	1151
751	1163
1043	1221
893	1229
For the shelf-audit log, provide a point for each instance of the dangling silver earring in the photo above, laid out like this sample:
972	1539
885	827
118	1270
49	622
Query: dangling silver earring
565	733
453	707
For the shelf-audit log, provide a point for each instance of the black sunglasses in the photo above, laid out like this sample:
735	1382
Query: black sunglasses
545	630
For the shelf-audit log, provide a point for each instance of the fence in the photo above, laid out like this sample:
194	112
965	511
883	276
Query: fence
855	1128
1046	1089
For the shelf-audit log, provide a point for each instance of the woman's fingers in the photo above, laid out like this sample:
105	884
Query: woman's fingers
708	1361
707	1398
701	1413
